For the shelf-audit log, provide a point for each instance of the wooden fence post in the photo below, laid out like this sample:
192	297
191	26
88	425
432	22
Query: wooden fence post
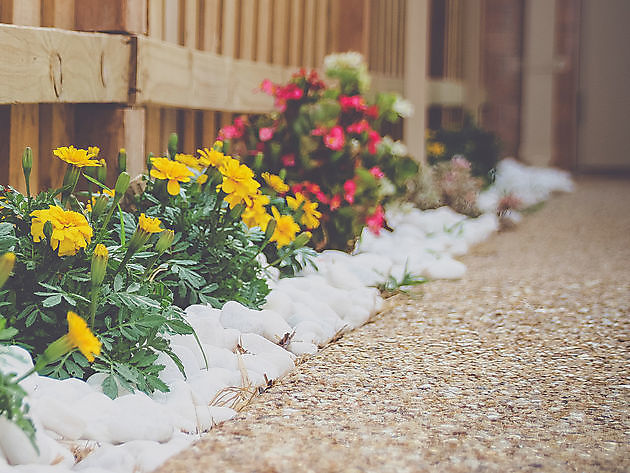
21	123
416	41
352	24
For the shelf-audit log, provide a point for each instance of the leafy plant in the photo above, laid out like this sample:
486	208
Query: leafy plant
82	253
327	142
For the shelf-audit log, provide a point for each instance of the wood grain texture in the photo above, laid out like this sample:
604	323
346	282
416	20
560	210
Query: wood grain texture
56	128
280	50
204	80
48	65
24	131
264	32
129	16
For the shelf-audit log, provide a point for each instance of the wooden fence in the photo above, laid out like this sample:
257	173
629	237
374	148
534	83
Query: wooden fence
126	73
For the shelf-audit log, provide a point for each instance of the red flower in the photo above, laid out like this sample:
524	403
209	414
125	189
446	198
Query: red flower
265	133
354	102
267	87
358	127
311	187
373	140
376	221
229	132
295	188
322	197
288	160
319	131
350	188
335	202
376	172
335	138
372	111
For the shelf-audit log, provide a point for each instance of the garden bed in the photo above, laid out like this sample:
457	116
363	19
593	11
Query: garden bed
80	428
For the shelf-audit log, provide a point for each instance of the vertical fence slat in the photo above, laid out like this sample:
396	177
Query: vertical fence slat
263	41
208	129
187	126
168	125
171	21
322	31
155	20
56	121
296	30
280	52
211	21
229	28
58	13
401	39
248	29
24	119
153	126
308	35
191	15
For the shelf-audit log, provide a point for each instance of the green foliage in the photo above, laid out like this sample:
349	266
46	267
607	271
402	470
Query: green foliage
393	286
12	405
480	147
131	312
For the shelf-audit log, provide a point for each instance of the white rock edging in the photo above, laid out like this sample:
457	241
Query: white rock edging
137	433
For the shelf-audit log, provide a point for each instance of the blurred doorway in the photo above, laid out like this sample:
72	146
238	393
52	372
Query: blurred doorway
604	79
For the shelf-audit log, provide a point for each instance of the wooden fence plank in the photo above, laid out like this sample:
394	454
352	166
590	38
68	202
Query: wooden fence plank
56	129
308	35
155	19
171	21
280	50
229	28
153	129
321	35
58	13
129	16
204	80
264	32
209	129
211	31
61	66
190	23
296	30
24	131
248	29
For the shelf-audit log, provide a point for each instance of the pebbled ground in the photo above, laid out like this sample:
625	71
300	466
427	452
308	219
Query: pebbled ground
523	365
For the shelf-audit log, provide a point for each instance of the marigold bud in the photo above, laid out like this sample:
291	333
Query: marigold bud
122	160
100	203
101	172
165	241
99	264
271	227
172	145
7	261
27	162
122	183
302	239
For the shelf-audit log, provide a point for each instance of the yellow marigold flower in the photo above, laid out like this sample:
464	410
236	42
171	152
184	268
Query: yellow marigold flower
436	149
286	228
71	230
174	172
255	214
238	183
93	150
80	336
275	182
212	157
149	224
76	157
202	179
89	205
310	217
7	261
189	160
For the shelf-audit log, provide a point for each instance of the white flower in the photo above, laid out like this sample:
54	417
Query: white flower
399	149
386	187
403	107
351	59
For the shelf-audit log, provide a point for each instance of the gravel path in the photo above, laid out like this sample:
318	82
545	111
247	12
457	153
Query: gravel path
524	365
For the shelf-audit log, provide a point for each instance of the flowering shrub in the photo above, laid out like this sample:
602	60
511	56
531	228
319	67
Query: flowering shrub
92	259
325	141
223	225
481	148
